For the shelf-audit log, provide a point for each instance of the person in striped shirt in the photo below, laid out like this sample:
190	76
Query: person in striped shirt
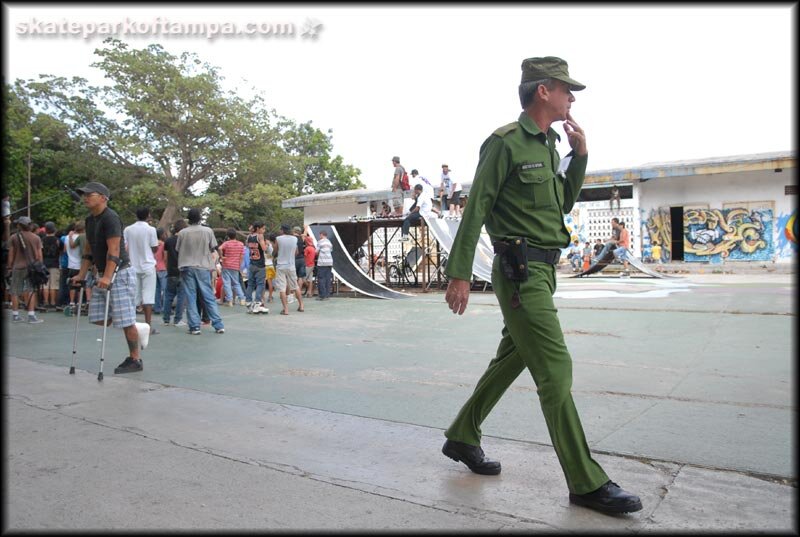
231	252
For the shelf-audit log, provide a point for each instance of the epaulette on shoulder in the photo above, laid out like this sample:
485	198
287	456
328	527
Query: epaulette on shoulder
505	129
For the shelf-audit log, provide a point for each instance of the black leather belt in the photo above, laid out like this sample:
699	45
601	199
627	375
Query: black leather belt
544	256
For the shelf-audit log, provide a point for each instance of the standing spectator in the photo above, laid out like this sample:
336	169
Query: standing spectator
286	271
174	288
309	255
397	178
6	207
231	252
324	266
444	190
51	252
142	244
269	262
21	242
161	270
63	264
75	241
195	246
621	252
614	196
105	249
299	258
259	249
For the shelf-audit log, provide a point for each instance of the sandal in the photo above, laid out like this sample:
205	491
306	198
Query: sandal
284	312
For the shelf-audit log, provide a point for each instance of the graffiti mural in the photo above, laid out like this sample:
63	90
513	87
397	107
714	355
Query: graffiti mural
787	225
714	235
576	228
658	229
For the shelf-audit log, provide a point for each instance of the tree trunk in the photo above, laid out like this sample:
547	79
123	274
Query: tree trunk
169	216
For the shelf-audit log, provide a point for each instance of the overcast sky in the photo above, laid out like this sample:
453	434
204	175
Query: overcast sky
429	84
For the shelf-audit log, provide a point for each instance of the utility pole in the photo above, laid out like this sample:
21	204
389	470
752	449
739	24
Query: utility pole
30	150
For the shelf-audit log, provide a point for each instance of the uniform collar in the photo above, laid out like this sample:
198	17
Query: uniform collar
531	127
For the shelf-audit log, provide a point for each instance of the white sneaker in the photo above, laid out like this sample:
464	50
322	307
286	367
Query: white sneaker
181	323
254	307
262	309
290	299
144	334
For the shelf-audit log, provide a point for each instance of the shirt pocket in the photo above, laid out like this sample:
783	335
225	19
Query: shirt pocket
538	184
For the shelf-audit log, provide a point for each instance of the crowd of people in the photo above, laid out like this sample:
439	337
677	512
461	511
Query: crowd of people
581	257
450	201
181	274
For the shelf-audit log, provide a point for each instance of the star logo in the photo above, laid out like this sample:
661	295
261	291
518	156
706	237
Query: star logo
311	29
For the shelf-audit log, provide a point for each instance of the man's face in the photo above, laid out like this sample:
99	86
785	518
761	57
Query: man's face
560	100
445	169
93	200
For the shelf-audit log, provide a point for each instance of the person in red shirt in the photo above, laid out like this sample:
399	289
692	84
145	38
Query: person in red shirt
310	255
624	242
231	252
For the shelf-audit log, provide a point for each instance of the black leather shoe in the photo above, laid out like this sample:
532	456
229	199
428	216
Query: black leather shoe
608	499
472	456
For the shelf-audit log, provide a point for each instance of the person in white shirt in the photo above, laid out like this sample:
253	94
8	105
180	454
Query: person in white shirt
417	179
286	272
142	244
324	266
422	207
444	190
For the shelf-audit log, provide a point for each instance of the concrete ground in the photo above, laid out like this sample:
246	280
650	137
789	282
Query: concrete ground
333	418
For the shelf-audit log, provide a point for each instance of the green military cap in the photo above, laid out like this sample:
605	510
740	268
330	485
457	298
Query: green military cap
548	67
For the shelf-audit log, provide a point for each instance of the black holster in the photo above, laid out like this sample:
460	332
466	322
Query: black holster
513	255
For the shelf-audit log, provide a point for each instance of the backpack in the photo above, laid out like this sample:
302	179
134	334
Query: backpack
404	183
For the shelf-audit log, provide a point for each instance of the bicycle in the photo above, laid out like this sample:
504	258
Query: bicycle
401	272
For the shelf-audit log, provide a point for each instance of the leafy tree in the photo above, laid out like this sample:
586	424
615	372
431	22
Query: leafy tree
166	123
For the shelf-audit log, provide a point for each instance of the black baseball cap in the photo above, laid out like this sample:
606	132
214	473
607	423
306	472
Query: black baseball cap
88	188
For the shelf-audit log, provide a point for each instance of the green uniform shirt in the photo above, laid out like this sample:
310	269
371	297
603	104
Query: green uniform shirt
516	193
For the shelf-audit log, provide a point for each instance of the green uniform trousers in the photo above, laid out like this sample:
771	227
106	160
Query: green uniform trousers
532	338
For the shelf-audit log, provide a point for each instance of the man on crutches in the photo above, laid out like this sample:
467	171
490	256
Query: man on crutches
113	300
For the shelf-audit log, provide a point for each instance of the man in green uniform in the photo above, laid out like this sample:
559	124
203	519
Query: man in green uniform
520	192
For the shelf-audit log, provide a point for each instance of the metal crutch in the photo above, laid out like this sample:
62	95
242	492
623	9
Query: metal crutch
105	323
79	287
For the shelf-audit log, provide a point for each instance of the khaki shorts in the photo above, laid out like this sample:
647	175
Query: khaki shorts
55	277
283	277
